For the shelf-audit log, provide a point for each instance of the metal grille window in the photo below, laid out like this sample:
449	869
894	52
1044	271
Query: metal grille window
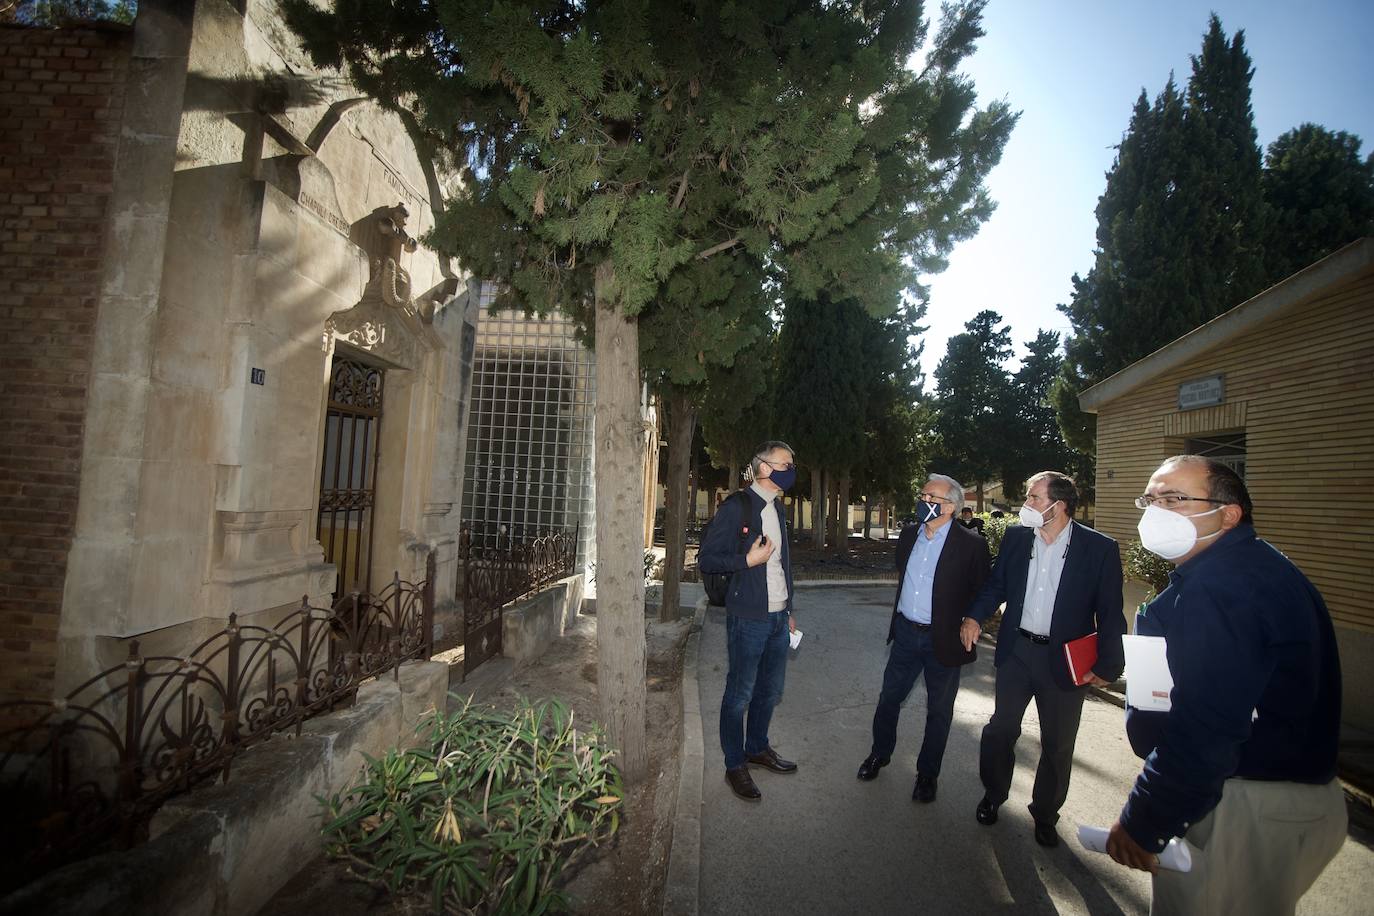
529	456
348	473
1228	448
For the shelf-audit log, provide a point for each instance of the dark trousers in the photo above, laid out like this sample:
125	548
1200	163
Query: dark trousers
758	664
912	654
1025	675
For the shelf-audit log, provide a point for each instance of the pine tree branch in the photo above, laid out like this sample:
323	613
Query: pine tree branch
681	190
717	249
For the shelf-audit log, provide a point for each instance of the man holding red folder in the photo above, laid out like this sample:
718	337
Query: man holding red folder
1061	581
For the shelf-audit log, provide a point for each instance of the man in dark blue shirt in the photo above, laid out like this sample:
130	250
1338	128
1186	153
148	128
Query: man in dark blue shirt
1243	764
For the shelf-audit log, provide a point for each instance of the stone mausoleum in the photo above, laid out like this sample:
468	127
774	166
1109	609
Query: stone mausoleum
236	378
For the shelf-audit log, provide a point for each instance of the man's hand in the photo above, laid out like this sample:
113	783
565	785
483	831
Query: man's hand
760	552
791	623
969	631
1096	681
1128	852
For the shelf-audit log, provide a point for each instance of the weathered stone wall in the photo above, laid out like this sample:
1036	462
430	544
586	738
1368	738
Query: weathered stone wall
201	488
225	848
61	101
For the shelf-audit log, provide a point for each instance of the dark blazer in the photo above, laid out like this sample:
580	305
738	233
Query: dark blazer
961	572
1089	598
728	538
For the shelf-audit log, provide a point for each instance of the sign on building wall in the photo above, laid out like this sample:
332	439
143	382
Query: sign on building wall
1203	392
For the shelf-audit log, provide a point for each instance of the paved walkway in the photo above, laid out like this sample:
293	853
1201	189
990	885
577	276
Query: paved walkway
820	842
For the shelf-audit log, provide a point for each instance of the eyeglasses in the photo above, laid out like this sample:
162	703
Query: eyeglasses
1173	502
932	498
775	466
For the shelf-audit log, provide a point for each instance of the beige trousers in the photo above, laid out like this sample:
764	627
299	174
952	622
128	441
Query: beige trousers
1256	852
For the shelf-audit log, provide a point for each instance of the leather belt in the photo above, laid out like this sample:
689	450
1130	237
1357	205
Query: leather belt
919	626
1034	637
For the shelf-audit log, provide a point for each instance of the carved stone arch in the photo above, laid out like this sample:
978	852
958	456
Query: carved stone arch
421	147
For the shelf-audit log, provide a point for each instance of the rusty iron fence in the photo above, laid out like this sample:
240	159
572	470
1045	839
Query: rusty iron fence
86	771
494	577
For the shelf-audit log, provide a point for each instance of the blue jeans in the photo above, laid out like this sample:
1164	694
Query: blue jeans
912	654
758	661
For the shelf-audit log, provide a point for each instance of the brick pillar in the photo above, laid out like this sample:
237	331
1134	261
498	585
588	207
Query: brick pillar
61	101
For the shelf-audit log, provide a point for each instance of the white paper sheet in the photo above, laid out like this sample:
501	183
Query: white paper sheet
1175	856
1148	680
796	638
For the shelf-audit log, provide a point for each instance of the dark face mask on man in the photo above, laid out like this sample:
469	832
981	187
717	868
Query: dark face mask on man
782	477
927	511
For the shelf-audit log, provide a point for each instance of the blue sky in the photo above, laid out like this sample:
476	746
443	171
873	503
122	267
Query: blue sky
1074	69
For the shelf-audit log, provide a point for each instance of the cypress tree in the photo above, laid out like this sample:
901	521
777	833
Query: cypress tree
1320	195
1181	227
974	399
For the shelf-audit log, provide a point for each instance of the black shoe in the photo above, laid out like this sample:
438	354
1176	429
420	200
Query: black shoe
987	811
1046	835
868	770
743	784
925	788
769	760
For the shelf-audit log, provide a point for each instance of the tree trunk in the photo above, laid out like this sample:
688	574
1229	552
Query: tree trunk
733	474
832	512
691	514
868	515
842	523
818	508
620	559
681	418
980	497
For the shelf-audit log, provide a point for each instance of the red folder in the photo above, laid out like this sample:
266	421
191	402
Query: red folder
1081	655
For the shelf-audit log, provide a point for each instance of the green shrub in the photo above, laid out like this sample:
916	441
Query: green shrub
1147	567
994	529
485	814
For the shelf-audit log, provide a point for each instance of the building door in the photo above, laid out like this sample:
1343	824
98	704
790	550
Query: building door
348	473
1227	448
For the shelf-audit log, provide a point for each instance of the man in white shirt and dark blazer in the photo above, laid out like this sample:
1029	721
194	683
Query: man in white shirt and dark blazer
1060	581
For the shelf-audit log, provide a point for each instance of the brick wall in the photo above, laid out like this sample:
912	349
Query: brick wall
61	100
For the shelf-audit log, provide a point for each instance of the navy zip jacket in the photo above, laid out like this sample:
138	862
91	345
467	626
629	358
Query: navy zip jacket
1088	599
730	535
1257	686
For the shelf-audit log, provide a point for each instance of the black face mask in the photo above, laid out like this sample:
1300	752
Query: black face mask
927	512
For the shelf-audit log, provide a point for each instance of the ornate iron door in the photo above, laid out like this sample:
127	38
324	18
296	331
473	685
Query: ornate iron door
348	473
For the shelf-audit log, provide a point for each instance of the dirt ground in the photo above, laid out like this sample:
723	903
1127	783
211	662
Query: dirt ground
625	876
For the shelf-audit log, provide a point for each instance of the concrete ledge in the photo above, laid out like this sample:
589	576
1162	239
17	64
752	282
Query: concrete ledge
172	875
682	891
529	628
226	848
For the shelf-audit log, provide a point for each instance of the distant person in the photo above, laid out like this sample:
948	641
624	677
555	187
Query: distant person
751	544
997	513
1243	765
942	566
1060	580
969	520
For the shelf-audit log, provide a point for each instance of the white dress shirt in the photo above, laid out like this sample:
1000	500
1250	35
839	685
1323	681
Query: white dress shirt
1042	580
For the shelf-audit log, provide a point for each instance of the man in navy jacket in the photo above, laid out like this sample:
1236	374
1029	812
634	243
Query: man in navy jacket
1243	765
1060	581
942	565
748	539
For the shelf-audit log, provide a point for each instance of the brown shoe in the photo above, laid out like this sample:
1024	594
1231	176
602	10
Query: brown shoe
769	760
743	784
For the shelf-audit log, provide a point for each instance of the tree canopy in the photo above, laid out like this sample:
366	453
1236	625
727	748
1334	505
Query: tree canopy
1320	195
974	399
608	149
1181	226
